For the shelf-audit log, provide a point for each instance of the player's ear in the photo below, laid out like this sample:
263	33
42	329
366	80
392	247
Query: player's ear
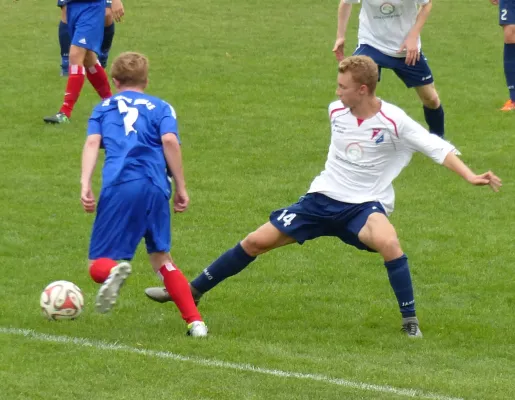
116	83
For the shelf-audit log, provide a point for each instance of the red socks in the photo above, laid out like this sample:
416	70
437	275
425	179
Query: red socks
96	75
179	289
73	88
98	78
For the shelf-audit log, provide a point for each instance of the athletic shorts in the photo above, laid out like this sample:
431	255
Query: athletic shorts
86	24
506	12
316	215
62	3
412	75
127	213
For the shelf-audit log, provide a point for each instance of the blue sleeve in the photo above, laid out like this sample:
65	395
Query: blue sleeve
95	122
168	121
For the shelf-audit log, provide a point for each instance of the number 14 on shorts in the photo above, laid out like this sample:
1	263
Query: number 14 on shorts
286	218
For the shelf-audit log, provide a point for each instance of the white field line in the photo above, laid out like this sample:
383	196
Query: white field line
105	346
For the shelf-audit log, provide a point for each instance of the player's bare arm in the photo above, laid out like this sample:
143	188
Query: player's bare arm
410	44
452	162
494	2
117	10
173	156
89	161
344	12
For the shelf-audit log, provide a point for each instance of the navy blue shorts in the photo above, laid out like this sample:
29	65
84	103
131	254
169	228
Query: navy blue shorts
316	215
62	3
86	24
506	12
412	75
127	213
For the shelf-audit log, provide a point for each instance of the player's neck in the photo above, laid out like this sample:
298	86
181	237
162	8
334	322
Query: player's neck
367	108
130	89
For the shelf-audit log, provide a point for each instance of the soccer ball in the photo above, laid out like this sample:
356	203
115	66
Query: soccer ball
61	300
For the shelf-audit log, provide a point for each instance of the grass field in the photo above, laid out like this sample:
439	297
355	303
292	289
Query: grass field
251	82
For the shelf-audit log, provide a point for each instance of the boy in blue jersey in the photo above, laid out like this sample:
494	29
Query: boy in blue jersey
86	26
507	21
65	39
140	137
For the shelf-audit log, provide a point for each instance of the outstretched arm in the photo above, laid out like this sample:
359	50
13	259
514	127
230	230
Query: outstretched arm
442	152
452	162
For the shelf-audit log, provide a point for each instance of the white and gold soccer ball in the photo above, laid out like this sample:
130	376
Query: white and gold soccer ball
61	300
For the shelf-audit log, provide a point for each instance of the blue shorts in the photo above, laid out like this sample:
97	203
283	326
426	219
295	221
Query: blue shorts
316	215
506	12
86	24
62	3
127	213
412	75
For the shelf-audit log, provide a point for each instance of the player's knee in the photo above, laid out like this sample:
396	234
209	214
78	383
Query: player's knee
63	14
108	20
509	34
389	247
77	55
430	99
255	244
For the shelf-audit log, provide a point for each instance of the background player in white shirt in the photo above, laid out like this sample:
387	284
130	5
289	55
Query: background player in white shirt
389	33
371	142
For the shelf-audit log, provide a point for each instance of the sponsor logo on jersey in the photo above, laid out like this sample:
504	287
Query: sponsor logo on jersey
354	152
387	8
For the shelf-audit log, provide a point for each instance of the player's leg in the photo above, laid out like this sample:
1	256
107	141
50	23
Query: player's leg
97	75
177	287
379	235
109	29
120	224
433	110
507	21
230	263
158	242
85	23
233	261
420	77
296	223
64	39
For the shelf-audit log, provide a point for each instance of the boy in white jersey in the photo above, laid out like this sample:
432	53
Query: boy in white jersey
389	33
371	142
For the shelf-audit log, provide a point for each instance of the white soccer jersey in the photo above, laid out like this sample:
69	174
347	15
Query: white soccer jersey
365	156
384	24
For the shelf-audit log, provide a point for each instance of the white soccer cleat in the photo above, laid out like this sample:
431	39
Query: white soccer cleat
197	329
108	292
410	327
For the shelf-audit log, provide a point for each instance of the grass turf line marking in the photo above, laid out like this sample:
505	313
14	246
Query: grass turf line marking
99	345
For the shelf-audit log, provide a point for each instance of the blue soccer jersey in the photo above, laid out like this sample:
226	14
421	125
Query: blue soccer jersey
131	125
62	3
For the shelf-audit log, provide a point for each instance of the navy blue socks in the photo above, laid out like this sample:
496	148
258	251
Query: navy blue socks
435	120
400	280
228	264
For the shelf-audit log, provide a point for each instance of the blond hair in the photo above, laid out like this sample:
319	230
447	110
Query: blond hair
130	69
363	69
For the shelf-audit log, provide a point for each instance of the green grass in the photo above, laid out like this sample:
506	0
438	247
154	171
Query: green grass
251	82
